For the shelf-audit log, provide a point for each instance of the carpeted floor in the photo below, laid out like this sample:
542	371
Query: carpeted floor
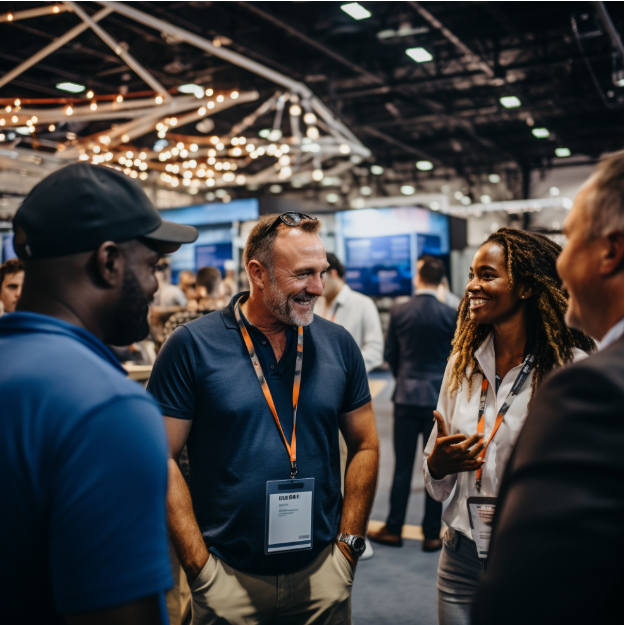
398	585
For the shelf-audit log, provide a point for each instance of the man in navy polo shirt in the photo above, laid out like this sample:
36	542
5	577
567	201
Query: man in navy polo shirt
264	534
83	453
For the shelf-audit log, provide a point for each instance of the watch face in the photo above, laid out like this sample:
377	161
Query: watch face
359	543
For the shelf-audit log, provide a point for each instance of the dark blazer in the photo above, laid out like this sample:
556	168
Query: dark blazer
556	555
418	344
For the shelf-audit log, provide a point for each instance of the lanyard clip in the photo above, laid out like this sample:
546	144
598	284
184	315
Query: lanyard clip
293	470
478	484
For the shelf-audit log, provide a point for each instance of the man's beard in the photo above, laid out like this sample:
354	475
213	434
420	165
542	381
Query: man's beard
283	309
129	320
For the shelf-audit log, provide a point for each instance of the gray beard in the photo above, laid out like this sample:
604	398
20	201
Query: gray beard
283	309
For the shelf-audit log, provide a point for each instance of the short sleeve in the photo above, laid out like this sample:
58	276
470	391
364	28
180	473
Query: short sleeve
357	392
172	382
108	534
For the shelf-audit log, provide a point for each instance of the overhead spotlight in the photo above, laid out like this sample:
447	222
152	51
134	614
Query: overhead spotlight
89	95
125	138
191	89
93	106
317	175
312	132
234	95
494	178
119	98
209	92
70	87
69	110
419	55
407	189
310	118
344	148
332	198
51	127
424	165
510	101
158	99
563	152
355	11
540	133
220	98
376	170
295	110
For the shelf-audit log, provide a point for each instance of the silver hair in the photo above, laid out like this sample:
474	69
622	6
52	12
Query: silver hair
604	201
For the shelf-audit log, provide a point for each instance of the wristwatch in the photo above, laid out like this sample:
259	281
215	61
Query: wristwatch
355	543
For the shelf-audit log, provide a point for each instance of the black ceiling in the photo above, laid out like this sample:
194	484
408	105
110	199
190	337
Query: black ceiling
556	57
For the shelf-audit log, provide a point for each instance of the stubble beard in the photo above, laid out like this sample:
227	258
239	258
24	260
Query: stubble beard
129	321
281	306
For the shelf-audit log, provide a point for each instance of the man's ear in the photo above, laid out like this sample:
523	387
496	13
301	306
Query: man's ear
611	262
257	274
109	264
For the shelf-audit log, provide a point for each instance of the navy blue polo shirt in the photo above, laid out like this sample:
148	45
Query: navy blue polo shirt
204	373
83	460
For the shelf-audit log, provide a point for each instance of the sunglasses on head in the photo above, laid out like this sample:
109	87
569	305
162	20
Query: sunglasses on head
290	219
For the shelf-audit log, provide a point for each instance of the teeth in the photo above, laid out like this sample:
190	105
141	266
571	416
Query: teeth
477	302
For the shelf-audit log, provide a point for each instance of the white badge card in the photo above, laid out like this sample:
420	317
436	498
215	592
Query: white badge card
481	514
289	515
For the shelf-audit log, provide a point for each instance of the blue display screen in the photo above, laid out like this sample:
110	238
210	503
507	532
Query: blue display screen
379	266
213	256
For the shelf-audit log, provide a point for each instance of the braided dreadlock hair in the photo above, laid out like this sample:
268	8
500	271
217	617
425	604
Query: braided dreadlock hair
531	259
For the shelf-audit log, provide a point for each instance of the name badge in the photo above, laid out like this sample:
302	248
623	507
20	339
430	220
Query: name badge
481	514
289	515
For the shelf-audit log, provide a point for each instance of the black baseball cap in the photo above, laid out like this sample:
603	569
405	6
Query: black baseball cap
80	206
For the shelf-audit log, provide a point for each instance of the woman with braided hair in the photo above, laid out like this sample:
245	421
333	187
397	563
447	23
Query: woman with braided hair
511	333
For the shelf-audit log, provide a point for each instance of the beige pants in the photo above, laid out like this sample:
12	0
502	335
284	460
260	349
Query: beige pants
320	594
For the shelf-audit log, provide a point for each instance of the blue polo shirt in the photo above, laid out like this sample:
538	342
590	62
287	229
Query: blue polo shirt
83	460
204	373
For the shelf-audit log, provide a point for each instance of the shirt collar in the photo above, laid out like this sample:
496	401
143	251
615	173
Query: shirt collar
615	332
34	322
343	296
426	292
227	313
485	356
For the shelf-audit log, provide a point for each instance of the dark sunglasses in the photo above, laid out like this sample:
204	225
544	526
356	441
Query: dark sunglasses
290	219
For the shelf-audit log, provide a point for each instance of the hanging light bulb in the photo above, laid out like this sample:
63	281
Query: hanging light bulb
310	118
312	132
295	110
69	110
158	99
209	92
89	95
93	106
51	127
317	175
17	102
234	95
119	98
220	98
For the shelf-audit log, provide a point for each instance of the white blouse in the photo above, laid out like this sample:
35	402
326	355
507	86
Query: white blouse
460	416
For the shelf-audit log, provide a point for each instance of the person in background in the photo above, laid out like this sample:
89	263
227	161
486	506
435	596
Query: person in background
229	283
187	283
446	296
168	294
207	290
418	343
511	334
83	452
557	546
11	280
230	384
355	312
358	314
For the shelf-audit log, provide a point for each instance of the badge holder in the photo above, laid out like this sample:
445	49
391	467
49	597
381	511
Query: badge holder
289	515
481	513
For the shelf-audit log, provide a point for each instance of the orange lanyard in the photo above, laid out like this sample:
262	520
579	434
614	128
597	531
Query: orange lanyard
528	363
297	379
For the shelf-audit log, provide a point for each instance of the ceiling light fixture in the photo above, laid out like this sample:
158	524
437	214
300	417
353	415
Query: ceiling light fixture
191	89
407	189
563	152
419	55
540	133
424	165
355	11
376	170
70	87
494	178
510	101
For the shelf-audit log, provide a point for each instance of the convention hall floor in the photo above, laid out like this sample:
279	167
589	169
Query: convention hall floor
398	585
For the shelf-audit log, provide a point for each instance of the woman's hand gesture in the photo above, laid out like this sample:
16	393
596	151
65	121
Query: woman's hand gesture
453	454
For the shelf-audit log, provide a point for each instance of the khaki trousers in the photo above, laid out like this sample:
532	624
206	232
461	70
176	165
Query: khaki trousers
320	594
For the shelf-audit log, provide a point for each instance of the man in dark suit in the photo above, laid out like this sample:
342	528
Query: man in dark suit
417	347
556	555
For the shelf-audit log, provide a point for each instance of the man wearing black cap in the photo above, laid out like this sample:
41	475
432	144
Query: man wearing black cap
82	450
